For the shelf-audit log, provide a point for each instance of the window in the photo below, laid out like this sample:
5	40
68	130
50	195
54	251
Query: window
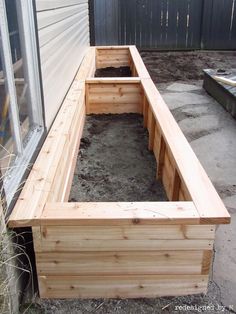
21	119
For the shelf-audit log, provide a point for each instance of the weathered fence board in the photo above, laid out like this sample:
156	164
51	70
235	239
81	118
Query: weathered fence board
166	24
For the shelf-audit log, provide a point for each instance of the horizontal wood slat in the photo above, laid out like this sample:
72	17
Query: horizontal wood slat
121	286
117	213
130	232
61	245
113	97
120	263
112	58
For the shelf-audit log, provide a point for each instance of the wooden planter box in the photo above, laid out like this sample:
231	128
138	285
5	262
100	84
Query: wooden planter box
119	250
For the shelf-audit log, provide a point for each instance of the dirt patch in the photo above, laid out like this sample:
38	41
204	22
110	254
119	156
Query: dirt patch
114	163
113	72
185	66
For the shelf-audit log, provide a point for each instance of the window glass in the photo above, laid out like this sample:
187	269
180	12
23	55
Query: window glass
7	149
19	66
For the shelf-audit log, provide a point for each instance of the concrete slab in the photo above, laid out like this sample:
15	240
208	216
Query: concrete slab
231	202
217	153
195	110
180	87
177	100
224	274
193	126
212	135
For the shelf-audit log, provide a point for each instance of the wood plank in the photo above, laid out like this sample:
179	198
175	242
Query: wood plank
128	232
151	128
114	108
161	157
72	164
145	112
138	62
120	263
116	213
176	187
61	245
168	172
209	205
116	97
120	80
107	96
37	238
206	262
112	57
121	286
58	183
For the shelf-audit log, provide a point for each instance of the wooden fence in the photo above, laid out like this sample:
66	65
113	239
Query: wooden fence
164	24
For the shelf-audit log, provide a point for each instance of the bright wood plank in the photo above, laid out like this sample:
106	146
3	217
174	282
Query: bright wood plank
120	263
138	62
121	286
130	232
208	203
115	213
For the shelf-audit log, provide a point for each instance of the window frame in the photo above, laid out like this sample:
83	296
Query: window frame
24	153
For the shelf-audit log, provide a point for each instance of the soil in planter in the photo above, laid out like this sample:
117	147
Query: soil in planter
113	72
114	163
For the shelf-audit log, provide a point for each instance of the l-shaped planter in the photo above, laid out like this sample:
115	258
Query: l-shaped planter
119	250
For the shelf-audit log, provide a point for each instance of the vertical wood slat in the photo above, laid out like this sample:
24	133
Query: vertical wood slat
151	130
163	24
145	111
161	158
206	262
87	98
176	187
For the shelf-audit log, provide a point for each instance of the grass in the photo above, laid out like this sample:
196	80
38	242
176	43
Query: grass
12	253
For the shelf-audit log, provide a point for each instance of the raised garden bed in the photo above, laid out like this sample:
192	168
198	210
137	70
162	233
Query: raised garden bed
119	249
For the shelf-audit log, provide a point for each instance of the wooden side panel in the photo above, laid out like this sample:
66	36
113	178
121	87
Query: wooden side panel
112	57
114	98
184	194
149	286
120	263
115	261
131	238
197	184
60	183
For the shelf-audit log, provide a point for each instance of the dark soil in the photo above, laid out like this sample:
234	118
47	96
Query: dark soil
114	163
113	72
185	66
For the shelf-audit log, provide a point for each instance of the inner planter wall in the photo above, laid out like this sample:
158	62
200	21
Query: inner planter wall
119	249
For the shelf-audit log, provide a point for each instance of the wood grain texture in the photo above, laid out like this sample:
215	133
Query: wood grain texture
63	31
120	263
208	203
113	97
116	213
108	57
149	286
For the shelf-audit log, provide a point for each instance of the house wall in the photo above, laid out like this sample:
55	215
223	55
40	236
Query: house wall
63	29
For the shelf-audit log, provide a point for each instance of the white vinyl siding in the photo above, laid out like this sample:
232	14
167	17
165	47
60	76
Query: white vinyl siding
63	28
